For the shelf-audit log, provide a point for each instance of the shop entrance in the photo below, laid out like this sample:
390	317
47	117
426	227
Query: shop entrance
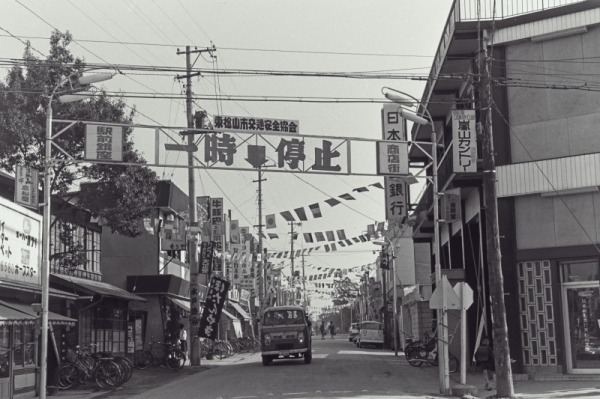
581	309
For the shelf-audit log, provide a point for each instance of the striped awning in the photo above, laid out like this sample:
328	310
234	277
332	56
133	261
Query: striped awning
15	313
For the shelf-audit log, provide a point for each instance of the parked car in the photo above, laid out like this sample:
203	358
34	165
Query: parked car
352	331
371	333
285	333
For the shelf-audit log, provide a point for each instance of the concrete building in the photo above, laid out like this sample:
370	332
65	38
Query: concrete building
547	153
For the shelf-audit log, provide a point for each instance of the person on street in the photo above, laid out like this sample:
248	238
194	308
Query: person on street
484	355
183	339
331	329
322	328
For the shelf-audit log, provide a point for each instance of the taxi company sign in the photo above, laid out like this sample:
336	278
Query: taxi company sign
20	244
464	141
104	143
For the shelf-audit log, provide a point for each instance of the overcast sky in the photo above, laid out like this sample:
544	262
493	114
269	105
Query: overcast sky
398	36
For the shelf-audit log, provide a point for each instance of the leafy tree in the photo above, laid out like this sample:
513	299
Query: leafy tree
128	192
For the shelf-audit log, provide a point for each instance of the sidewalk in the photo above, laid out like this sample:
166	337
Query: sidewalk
530	389
152	377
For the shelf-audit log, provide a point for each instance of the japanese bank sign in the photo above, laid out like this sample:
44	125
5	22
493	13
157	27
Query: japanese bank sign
104	143
213	306
464	141
27	187
20	243
395	199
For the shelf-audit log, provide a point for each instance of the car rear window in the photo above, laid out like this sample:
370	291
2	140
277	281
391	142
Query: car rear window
371	326
282	317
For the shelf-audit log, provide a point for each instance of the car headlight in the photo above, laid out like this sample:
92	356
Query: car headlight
267	338
301	337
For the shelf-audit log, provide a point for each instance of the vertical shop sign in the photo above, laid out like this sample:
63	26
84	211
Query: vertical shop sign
395	199
130	338
392	158
394	127
104	143
464	141
451	208
216	218
27	186
215	299
207	250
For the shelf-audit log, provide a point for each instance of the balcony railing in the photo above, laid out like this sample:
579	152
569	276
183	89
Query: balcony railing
505	8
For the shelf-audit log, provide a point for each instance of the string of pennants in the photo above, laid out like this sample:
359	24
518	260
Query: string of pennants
341	240
315	209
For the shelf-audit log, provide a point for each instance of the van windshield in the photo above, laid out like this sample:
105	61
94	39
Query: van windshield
278	317
371	326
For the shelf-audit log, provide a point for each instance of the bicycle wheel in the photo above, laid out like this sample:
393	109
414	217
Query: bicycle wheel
453	363
108	374
220	350
127	365
415	358
66	376
145	360
175	359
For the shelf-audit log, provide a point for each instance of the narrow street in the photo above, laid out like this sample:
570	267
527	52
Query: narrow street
338	369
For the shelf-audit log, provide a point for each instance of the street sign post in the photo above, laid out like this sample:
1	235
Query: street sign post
465	293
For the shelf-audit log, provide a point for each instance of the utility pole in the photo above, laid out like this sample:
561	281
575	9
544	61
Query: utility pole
383	266
292	224
504	384
192	242
261	270
303	283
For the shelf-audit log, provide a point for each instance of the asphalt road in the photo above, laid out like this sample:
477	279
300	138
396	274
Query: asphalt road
338	370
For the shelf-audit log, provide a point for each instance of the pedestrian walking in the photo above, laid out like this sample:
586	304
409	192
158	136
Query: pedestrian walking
484	355
331	329
183	340
322	328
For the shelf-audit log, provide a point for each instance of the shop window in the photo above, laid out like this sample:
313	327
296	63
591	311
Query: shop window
580	271
4	351
109	329
24	346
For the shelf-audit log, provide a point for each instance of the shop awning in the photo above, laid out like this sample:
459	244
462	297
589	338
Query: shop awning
232	317
240	310
91	287
185	305
37	289
21	313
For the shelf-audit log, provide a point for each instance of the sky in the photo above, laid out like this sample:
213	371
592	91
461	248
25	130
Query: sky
398	36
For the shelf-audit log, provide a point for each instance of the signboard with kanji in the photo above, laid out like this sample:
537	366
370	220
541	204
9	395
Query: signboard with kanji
26	186
206	257
395	199
20	243
394	127
464	141
216	218
103	143
215	299
247	124
392	158
172	236
451	207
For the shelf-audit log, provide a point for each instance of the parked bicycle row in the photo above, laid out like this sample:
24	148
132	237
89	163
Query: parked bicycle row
224	349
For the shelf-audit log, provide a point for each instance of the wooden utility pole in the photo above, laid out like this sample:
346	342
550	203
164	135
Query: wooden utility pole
292	224
504	384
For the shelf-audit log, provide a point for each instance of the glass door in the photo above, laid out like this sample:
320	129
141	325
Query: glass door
581	309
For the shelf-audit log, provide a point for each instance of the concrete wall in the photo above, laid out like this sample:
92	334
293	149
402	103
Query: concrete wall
551	123
124	256
543	222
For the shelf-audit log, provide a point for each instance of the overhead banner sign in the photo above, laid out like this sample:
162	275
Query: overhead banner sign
464	141
27	187
103	143
392	158
246	124
215	299
20	243
395	199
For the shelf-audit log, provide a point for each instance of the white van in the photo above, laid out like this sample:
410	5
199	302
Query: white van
370	333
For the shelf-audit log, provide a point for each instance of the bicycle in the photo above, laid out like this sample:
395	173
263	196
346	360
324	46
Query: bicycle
173	357
429	354
83	366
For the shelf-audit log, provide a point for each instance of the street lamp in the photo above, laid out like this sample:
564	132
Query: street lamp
406	99
74	95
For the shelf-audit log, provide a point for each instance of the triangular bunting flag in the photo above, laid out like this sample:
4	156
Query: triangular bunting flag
378	185
330	236
287	215
355	239
380	226
333	247
317	248
341	243
272	236
295	236
371	230
348	242
332	202
363	238
341	234
320	237
310	250
327	248
347	197
316	210
301	214
308	238
361	189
